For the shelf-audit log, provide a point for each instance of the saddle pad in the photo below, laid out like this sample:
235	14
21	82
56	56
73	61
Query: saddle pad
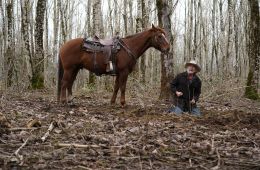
93	45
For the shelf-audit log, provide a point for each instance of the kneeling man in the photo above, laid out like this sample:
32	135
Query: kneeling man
186	87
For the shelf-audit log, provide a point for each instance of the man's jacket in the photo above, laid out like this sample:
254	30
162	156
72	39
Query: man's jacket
191	89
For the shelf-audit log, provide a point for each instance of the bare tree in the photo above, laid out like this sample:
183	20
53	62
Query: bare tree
164	15
56	16
37	80
230	38
25	12
254	50
138	29
97	29
145	19
125	16
214	51
9	55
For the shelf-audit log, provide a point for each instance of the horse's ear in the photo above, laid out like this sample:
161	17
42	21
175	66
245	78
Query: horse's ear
153	27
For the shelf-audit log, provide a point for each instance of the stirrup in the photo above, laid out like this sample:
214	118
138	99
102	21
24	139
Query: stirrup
110	67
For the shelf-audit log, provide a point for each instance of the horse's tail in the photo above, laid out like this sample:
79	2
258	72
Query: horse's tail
60	76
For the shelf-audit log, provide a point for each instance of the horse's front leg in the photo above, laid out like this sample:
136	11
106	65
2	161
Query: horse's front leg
116	88
122	82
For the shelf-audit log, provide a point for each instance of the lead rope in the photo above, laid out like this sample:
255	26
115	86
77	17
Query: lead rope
189	98
192	98
177	104
124	45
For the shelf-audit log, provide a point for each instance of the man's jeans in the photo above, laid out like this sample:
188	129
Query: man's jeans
177	110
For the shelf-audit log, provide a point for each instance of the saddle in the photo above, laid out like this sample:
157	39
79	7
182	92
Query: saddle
109	47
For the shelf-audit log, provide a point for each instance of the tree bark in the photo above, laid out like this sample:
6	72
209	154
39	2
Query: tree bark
9	55
56	29
138	29
125	16
145	19
254	51
164	18
213	36
230	38
97	29
37	80
25	14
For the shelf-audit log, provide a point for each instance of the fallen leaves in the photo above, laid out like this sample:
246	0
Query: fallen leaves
4	125
95	135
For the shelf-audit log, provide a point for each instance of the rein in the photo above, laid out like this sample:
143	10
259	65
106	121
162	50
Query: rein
127	49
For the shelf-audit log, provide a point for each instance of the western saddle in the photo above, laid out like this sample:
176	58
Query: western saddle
109	47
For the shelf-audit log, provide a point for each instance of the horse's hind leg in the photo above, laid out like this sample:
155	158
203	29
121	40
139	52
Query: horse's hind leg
70	84
122	82
116	88
66	80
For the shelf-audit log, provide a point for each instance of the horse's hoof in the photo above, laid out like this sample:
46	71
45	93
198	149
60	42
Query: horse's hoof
112	101
70	99
123	106
63	102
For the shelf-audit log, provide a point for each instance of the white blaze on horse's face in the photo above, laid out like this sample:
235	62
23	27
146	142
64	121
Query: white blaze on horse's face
159	40
163	43
165	38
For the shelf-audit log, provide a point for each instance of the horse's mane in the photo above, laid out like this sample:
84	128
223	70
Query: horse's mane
133	35
153	29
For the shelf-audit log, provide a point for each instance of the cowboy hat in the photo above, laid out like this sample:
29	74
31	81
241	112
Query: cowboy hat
193	63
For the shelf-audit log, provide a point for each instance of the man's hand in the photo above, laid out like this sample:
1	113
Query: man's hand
179	93
192	101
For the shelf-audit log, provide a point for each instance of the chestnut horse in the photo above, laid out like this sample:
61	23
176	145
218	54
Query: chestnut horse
72	58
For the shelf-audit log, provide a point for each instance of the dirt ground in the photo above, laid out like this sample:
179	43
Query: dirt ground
92	134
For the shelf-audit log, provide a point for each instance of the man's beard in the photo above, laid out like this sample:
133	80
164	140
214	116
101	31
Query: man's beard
190	72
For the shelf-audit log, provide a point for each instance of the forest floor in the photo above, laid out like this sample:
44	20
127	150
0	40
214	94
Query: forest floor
92	134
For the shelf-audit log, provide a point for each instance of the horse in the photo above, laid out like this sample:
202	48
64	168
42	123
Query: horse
72	58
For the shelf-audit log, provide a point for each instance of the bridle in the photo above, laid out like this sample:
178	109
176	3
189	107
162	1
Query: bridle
155	39
128	50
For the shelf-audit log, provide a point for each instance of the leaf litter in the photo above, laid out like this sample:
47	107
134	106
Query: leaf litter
38	133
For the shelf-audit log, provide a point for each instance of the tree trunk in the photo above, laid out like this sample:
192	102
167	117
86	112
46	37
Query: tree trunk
237	20
37	80
9	55
195	45
25	12
190	52
213	35
125	17
145	19
230	38
56	29
131	21
222	34
138	29
97	29
164	18
254	51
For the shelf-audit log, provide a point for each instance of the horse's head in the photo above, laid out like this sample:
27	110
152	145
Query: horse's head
159	40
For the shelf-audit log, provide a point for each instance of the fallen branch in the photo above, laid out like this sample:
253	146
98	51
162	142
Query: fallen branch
77	145
87	146
23	128
219	161
20	157
51	127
